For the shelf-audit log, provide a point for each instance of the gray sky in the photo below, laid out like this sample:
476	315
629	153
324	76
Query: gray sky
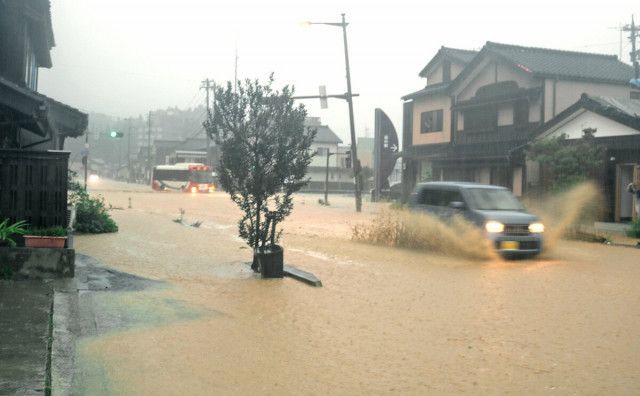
125	57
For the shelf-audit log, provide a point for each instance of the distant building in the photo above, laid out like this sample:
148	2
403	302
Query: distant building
326	141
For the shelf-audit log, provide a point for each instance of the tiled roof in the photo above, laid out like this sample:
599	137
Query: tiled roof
557	63
622	106
458	55
429	90
622	110
462	55
325	135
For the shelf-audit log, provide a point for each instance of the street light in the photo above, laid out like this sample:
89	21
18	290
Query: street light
349	98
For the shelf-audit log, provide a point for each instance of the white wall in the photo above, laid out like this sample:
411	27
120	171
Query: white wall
582	119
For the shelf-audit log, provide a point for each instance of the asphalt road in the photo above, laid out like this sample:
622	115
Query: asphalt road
385	321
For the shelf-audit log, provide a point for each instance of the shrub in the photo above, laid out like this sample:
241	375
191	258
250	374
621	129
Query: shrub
634	232
8	230
91	213
57	231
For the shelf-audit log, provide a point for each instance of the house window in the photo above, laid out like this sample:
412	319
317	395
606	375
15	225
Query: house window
431	121
481	118
322	151
521	113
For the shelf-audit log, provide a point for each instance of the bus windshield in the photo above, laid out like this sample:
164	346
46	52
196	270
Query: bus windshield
201	177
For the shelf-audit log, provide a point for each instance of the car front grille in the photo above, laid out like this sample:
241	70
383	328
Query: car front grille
516	229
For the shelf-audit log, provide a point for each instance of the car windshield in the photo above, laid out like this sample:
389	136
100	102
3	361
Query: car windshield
493	199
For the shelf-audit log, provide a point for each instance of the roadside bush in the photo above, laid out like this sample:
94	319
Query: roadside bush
92	215
634	232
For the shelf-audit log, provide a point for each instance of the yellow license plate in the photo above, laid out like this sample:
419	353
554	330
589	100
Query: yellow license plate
509	245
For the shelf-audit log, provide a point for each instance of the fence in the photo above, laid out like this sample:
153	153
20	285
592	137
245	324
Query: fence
33	187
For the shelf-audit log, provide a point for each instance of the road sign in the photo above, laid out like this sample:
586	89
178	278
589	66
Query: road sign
323	97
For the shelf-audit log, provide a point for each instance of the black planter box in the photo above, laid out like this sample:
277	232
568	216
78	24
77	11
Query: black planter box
271	261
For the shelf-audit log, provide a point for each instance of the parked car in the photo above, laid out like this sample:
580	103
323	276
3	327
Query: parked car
505	222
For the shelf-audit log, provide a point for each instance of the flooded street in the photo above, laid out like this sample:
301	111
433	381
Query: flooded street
385	321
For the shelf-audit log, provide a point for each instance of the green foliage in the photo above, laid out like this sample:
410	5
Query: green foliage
568	162
8	230
264	152
634	232
57	231
92	214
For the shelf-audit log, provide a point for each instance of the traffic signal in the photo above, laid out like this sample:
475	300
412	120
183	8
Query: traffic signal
116	135
347	159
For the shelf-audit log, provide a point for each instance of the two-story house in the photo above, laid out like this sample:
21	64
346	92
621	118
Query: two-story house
479	109
28	119
33	127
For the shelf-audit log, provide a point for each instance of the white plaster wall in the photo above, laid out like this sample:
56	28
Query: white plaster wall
436	75
569	92
487	75
321	160
456	68
606	127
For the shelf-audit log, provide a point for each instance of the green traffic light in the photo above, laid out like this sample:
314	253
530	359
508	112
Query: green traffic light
113	134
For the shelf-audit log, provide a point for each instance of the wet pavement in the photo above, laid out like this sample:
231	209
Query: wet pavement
385	321
25	307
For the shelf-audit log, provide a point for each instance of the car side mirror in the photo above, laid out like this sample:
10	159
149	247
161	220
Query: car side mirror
456	205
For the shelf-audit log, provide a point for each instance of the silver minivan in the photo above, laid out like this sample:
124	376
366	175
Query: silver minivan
506	223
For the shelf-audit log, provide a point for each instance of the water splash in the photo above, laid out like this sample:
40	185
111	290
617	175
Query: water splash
565	213
421	231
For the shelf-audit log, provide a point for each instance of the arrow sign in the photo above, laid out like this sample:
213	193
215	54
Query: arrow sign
394	148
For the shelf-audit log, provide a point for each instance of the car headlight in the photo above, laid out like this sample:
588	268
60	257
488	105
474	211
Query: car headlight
194	190
494	226
536	228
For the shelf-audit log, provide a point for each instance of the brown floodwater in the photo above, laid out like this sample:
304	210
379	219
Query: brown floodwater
387	320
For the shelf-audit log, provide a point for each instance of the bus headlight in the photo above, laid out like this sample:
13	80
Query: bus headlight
536	228
494	227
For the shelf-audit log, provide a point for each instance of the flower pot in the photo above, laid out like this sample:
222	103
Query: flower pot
270	261
44	241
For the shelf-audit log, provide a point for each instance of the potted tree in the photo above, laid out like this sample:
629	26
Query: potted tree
264	148
7	231
52	237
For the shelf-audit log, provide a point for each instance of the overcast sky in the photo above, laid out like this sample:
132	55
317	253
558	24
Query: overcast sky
126	57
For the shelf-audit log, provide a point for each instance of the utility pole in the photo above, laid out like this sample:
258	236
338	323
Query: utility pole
129	153
85	158
633	29
235	73
354	149
207	85
348	96
149	148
